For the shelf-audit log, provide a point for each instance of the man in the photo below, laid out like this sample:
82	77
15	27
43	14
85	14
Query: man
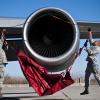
92	62
3	59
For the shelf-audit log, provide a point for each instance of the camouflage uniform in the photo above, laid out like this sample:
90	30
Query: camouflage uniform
92	65
3	62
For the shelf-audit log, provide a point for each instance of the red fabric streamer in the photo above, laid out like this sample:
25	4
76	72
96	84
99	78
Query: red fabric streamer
39	79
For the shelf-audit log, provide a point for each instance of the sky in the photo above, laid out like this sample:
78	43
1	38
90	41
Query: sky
81	10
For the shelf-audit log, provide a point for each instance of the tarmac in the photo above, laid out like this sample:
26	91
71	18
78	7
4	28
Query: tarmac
69	93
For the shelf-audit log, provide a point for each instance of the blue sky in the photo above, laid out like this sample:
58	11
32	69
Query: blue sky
84	10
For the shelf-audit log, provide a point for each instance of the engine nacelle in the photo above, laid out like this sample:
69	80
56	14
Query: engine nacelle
51	37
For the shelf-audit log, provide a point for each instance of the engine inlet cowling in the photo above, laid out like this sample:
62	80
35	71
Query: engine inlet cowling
52	38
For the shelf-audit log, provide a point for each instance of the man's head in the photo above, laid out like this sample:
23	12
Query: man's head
96	43
4	30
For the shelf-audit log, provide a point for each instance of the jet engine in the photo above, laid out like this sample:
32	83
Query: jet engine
51	37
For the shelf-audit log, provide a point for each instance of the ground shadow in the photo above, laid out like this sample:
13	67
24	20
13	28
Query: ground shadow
9	98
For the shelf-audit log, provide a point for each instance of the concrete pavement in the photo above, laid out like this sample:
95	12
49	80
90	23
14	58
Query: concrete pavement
69	93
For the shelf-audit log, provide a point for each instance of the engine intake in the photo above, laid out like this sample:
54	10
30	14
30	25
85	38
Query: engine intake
52	38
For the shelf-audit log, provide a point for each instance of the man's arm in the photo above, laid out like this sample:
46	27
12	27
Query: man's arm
3	39
90	36
90	51
6	44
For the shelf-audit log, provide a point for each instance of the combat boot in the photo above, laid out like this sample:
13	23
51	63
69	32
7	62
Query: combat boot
85	92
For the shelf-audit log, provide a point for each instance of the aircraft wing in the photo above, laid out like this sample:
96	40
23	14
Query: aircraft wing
83	27
14	27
